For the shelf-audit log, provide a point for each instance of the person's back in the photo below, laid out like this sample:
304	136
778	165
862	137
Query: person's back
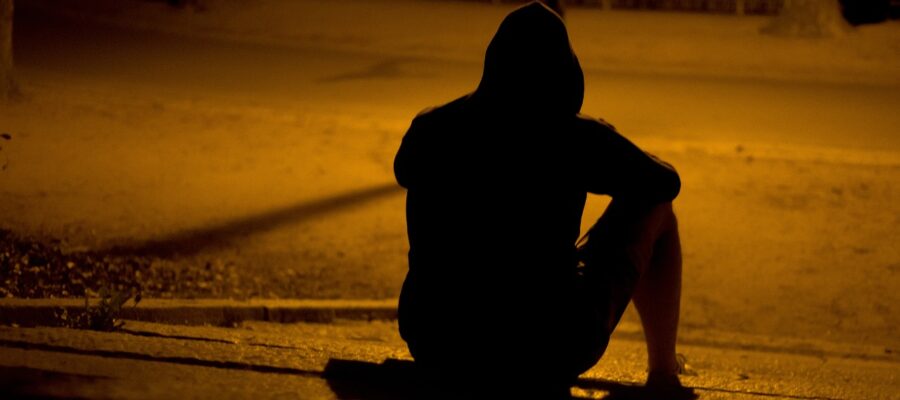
497	181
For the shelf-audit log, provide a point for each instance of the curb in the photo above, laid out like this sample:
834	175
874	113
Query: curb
221	312
48	312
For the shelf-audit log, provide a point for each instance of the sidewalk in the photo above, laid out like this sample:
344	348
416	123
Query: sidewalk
349	358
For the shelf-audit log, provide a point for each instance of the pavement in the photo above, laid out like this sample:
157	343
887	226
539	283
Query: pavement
351	350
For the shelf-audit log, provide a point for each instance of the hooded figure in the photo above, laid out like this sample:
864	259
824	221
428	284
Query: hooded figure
530	68
497	181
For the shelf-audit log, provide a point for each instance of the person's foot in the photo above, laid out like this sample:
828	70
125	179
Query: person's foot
667	386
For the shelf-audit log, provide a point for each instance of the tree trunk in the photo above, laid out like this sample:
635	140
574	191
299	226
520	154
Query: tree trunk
808	18
6	57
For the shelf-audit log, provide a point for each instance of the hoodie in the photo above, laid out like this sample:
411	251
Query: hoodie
530	66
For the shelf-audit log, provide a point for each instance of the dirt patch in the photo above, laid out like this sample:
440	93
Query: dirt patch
41	268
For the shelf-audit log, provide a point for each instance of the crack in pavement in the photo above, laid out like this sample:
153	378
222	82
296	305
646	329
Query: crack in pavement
202	339
233	365
763	348
624	388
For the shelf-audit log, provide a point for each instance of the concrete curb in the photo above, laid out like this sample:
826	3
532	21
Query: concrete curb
49	312
221	312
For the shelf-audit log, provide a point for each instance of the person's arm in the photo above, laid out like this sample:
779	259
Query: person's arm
407	160
617	167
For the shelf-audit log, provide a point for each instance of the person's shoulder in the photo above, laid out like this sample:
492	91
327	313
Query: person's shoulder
591	131
440	113
589	124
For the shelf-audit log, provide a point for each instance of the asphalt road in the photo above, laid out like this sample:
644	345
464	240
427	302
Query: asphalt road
674	107
782	245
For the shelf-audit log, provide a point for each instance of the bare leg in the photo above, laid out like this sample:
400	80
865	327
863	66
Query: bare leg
657	296
647	238
637	252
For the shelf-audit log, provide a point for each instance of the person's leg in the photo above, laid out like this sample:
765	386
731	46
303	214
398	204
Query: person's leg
642	241
657	295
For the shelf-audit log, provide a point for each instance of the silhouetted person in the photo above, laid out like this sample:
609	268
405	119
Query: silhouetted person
497	295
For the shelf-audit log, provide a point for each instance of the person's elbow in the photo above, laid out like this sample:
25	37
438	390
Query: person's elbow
666	181
662	186
401	171
672	186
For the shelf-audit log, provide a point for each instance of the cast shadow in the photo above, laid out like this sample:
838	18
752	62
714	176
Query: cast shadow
399	379
391	68
392	379
623	391
193	241
31	383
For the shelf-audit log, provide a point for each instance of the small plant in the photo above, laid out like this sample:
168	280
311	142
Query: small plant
104	315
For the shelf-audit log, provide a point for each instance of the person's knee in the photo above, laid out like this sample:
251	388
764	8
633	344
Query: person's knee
624	224
665	208
663	217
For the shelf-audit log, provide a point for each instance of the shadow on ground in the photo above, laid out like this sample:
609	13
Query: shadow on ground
30	383
398	379
193	241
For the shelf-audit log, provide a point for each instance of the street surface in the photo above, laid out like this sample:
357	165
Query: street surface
367	360
256	160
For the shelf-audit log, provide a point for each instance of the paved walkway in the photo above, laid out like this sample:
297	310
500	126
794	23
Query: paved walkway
357	359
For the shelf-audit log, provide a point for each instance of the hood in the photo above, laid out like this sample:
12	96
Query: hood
530	67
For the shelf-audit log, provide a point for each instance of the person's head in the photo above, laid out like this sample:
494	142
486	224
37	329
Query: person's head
529	65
